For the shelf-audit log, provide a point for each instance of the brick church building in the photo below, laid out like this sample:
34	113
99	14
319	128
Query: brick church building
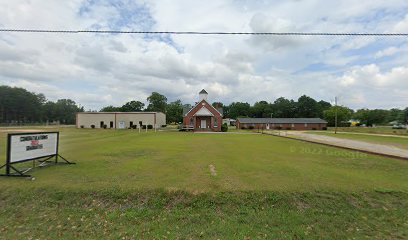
203	116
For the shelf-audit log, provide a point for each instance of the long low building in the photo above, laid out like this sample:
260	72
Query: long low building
120	120
282	123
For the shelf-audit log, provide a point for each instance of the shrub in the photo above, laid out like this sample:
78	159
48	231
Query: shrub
251	127
324	128
134	126
105	126
92	126
278	128
224	127
288	128
314	129
164	125
243	128
143	126
82	126
149	126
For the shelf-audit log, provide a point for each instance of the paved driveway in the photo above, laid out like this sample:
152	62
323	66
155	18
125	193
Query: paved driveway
353	144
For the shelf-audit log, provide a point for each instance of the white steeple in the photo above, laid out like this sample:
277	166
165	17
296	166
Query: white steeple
203	95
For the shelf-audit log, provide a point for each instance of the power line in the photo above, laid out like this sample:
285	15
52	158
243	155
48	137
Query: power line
206	33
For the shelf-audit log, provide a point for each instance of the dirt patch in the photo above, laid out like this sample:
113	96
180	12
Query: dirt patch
212	170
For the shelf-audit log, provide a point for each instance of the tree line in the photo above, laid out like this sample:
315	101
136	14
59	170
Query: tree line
303	107
18	105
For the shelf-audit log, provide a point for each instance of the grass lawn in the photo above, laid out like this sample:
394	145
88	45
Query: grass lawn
373	130
392	141
172	185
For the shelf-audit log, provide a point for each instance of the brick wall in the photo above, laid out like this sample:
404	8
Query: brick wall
209	120
286	126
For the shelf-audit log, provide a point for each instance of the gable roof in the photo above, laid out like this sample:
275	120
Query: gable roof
207	104
280	120
203	112
203	91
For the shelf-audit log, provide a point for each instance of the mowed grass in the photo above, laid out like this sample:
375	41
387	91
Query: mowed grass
160	185
400	142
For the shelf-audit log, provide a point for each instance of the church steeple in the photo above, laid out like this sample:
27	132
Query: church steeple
203	95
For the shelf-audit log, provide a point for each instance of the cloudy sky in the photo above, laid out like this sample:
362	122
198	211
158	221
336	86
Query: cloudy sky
97	70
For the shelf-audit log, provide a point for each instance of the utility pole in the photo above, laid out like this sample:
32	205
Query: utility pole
335	117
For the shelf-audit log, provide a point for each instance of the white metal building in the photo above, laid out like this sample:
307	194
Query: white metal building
120	120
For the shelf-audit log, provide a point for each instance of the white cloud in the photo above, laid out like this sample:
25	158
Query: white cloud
100	70
387	52
369	85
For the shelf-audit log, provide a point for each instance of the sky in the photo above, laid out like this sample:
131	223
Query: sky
98	70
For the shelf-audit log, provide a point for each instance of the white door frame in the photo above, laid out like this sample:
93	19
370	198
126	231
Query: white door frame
203	123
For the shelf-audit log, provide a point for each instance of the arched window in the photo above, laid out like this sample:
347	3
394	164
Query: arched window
191	122
215	122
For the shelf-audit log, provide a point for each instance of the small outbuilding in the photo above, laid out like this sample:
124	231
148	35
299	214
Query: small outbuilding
282	123
120	120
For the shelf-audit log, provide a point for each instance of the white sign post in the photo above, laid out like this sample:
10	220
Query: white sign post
23	147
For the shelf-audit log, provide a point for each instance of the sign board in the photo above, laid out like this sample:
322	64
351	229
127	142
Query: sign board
24	147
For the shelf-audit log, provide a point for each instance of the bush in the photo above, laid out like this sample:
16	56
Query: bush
82	126
251	127
134	126
149	126
278	128
224	127
288	128
105	126
314	129
324	128
243	128
164	125
143	126
92	126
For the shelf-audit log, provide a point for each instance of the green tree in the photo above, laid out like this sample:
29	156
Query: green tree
405	116
395	115
378	116
66	110
157	102
307	107
132	106
261	109
343	115
284	108
237	109
174	112
370	117
217	104
322	106
111	109
20	106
